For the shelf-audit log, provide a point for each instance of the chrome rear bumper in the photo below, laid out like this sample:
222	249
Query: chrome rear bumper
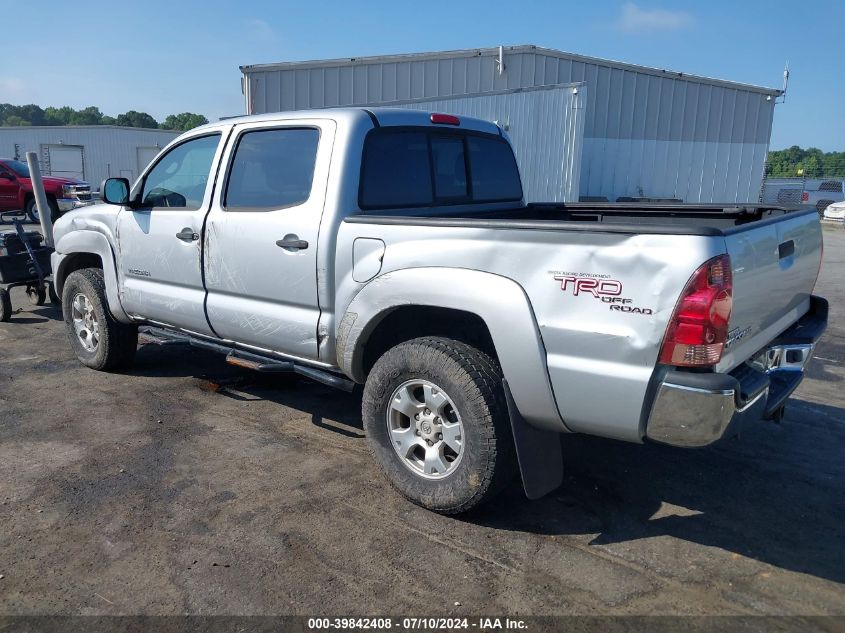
697	409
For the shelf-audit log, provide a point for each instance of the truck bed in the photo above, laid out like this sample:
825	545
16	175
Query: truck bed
615	217
650	251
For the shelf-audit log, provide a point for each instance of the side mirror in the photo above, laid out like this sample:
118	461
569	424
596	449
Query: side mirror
115	191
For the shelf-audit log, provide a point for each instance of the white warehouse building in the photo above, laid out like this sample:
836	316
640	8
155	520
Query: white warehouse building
88	152
582	127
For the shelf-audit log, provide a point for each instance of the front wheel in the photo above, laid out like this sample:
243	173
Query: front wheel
32	210
437	423
99	341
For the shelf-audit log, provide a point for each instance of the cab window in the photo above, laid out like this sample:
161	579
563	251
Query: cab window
179	178
430	167
272	169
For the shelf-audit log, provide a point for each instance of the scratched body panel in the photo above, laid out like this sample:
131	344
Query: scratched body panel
600	360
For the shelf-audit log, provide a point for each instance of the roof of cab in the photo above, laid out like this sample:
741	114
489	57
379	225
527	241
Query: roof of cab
384	117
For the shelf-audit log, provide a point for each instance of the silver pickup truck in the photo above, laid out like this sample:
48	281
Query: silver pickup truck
393	249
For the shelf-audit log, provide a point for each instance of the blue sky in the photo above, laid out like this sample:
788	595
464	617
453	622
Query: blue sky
175	56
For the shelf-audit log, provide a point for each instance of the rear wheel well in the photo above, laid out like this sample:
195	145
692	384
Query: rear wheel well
78	261
410	322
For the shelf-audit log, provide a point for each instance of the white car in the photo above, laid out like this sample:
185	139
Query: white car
835	211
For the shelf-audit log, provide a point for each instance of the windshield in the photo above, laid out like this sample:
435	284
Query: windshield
18	167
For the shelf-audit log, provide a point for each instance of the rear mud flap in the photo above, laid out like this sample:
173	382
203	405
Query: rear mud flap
538	452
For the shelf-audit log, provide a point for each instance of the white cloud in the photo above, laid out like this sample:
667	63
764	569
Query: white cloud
634	19
11	88
259	31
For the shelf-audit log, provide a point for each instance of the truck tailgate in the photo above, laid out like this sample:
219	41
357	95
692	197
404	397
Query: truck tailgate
775	264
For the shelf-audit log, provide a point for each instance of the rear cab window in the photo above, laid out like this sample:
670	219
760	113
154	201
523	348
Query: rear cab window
430	167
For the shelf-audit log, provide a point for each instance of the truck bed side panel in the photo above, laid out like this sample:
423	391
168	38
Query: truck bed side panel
602	333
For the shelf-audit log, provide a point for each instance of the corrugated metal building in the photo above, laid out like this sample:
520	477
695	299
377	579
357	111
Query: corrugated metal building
647	132
88	152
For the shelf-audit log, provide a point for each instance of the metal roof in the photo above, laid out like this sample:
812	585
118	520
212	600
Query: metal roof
88	127
481	52
385	115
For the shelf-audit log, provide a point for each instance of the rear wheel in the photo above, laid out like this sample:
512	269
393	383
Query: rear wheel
436	420
821	205
99	341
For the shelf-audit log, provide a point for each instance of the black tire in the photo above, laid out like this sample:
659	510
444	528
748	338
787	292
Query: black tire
117	343
821	205
473	381
32	210
55	299
5	305
36	294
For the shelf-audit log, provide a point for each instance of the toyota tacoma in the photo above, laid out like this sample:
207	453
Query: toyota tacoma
393	249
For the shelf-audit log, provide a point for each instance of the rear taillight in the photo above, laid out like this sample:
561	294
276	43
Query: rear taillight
698	331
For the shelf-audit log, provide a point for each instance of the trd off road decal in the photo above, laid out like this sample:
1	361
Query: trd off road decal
600	287
735	334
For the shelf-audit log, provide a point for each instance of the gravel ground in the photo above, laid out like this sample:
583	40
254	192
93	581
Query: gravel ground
188	486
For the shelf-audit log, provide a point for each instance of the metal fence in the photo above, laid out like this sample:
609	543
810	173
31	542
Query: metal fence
803	192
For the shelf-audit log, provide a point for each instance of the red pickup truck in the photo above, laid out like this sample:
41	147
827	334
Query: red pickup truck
16	194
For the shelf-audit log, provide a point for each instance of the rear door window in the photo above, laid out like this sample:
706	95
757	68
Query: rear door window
272	169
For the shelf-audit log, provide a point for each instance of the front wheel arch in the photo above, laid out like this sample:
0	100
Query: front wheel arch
91	246
74	262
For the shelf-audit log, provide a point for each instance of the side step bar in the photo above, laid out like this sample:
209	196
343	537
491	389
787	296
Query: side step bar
250	360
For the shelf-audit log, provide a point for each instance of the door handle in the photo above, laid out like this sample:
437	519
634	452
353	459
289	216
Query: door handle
785	249
292	243
187	235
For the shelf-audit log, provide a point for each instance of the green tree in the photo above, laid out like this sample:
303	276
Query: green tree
136	119
184	122
58	116
87	116
834	163
16	121
30	114
786	163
